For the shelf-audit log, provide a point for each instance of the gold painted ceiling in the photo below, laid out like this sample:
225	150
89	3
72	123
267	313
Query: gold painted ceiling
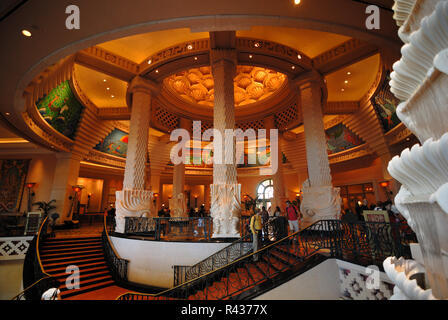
251	84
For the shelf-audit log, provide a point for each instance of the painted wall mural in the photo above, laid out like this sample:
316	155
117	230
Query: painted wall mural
12	182
116	143
385	105
340	138
61	109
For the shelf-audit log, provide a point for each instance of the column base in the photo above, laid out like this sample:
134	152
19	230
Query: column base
131	203
320	203
178	205
225	210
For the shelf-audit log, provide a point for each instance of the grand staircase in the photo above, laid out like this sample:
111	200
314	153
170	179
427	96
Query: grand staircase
85	253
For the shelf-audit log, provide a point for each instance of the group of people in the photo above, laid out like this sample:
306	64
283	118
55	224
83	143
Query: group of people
259	226
394	214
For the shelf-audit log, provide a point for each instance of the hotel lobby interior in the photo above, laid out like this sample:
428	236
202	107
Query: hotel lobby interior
343	107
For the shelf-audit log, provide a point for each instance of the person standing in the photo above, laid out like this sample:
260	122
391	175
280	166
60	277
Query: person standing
292	213
255	228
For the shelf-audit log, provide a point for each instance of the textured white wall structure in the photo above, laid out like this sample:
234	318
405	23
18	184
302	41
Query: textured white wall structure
277	176
178	203
134	200
225	190
419	79
320	199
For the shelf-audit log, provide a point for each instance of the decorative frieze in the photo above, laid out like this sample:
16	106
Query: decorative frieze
14	248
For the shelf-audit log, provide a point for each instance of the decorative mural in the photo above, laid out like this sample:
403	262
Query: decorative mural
116	143
340	138
61	109
12	182
385	105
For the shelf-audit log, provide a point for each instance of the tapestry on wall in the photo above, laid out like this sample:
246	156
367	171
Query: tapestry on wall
340	138
12	182
61	109
385	105
116	143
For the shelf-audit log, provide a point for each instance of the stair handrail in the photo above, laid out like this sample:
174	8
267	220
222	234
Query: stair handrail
37	287
204	266
118	265
247	256
330	235
27	289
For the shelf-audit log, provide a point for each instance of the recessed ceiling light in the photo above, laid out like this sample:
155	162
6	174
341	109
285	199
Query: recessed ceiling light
107	88
157	71
26	33
149	61
250	56
293	67
189	47
342	89
195	58
296	2
299	56
7	113
256	44
346	81
349	73
104	80
112	96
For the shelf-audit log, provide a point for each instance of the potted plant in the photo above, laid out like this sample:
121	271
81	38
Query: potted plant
45	207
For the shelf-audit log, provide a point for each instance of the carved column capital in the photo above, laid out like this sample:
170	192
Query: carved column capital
221	57
139	84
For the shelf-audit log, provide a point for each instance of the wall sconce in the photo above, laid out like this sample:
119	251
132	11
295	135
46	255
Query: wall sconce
384	184
31	194
74	207
156	195
88	199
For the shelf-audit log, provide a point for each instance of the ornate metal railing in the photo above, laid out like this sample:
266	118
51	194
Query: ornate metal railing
224	256
338	239
117	265
35	279
173	228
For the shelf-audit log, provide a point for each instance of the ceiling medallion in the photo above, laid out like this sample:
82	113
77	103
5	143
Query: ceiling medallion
251	84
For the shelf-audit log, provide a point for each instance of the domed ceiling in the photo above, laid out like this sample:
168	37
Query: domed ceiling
251	84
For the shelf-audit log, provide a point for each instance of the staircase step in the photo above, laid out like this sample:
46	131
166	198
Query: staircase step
71	245
88	282
66	250
73	262
70	239
86	271
48	261
70	254
62	269
86	289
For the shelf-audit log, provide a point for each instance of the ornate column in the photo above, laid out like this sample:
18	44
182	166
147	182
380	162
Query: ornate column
225	190
178	203
277	176
320	199
134	200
